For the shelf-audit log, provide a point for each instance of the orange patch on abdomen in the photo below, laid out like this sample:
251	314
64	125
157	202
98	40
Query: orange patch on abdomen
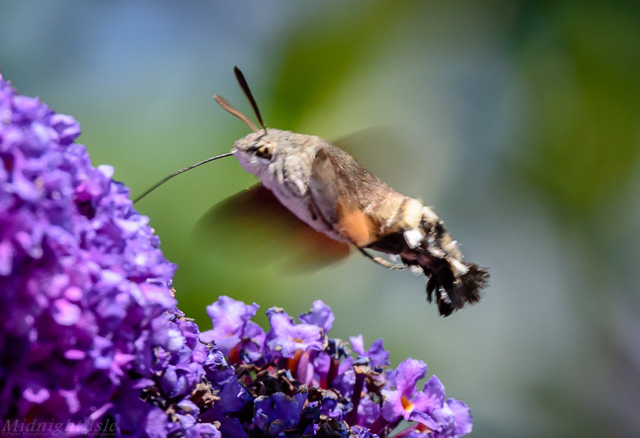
355	226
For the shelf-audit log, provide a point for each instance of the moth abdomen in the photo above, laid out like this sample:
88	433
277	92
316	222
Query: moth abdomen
453	292
475	279
429	247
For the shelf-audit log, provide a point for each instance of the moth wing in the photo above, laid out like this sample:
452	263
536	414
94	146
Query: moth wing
323	186
253	228
334	202
382	150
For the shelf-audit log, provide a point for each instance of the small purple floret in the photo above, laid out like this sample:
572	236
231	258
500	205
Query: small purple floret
231	324
277	413
378	356
286	338
320	315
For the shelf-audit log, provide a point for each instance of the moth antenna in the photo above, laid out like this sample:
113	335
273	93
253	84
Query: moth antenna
230	109
167	178
247	92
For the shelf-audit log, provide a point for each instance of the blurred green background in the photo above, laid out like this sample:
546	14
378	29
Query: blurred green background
519	121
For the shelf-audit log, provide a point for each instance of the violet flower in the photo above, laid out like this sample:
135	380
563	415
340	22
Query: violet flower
92	342
287	338
309	385
233	328
91	335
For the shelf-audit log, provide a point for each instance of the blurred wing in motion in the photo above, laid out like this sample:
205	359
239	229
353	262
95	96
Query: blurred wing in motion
254	229
382	151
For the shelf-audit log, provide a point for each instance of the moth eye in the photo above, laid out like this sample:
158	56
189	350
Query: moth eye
265	151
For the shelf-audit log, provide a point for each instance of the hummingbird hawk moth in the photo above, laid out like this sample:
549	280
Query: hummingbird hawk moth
331	192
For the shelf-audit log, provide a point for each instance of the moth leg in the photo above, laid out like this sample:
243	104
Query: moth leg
382	262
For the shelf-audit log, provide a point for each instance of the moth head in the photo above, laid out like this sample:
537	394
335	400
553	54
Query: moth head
263	151
257	151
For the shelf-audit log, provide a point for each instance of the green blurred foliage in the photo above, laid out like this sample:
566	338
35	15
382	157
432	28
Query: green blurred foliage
519	121
583	69
311	40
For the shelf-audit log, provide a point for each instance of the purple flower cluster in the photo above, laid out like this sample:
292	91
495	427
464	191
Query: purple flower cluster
92	343
294	381
89	328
